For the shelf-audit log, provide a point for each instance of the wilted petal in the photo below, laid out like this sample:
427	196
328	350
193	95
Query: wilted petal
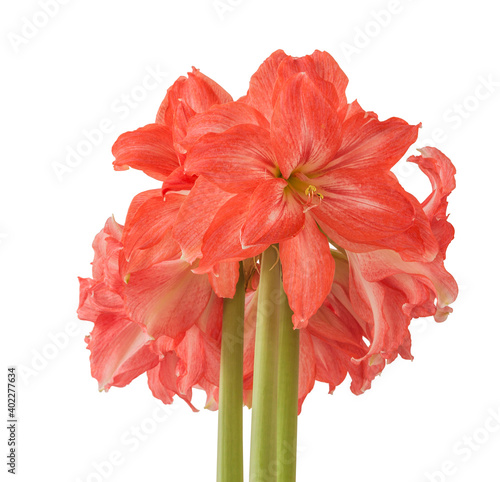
441	173
191	366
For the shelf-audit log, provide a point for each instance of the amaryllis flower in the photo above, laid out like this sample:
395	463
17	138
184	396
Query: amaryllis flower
155	148
389	291
185	291
150	312
309	166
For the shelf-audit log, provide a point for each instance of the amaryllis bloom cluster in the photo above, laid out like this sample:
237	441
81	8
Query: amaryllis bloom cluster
291	164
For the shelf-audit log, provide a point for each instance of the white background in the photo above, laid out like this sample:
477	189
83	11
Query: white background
423	60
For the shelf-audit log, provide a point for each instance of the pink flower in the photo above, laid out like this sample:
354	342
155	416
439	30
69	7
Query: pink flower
150	312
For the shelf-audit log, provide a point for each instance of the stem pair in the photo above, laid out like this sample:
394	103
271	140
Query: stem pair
275	383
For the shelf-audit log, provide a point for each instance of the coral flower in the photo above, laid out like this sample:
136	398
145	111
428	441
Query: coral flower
155	148
150	312
291	163
304	166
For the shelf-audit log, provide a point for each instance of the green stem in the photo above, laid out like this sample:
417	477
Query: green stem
288	393
230	438
263	450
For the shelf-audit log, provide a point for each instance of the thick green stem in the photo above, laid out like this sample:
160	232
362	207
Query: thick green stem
230	439
263	450
288	392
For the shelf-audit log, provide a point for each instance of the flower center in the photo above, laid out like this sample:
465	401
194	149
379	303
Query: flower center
308	192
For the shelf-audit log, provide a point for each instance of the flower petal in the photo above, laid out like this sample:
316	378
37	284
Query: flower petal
224	278
167	298
149	224
308	270
381	305
368	143
222	239
261	88
307	367
220	118
238	160
162	380
148	149
363	206
198	91
305	128
178	180
274	215
441	173
195	216
119	350
323	70
191	365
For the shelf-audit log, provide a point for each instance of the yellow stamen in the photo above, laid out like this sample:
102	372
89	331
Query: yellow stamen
310	190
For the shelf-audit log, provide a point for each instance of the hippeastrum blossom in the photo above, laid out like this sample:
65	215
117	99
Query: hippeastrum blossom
150	312
389	291
309	166
156	148
292	164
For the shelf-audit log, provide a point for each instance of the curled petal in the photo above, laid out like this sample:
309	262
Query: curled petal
441	172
